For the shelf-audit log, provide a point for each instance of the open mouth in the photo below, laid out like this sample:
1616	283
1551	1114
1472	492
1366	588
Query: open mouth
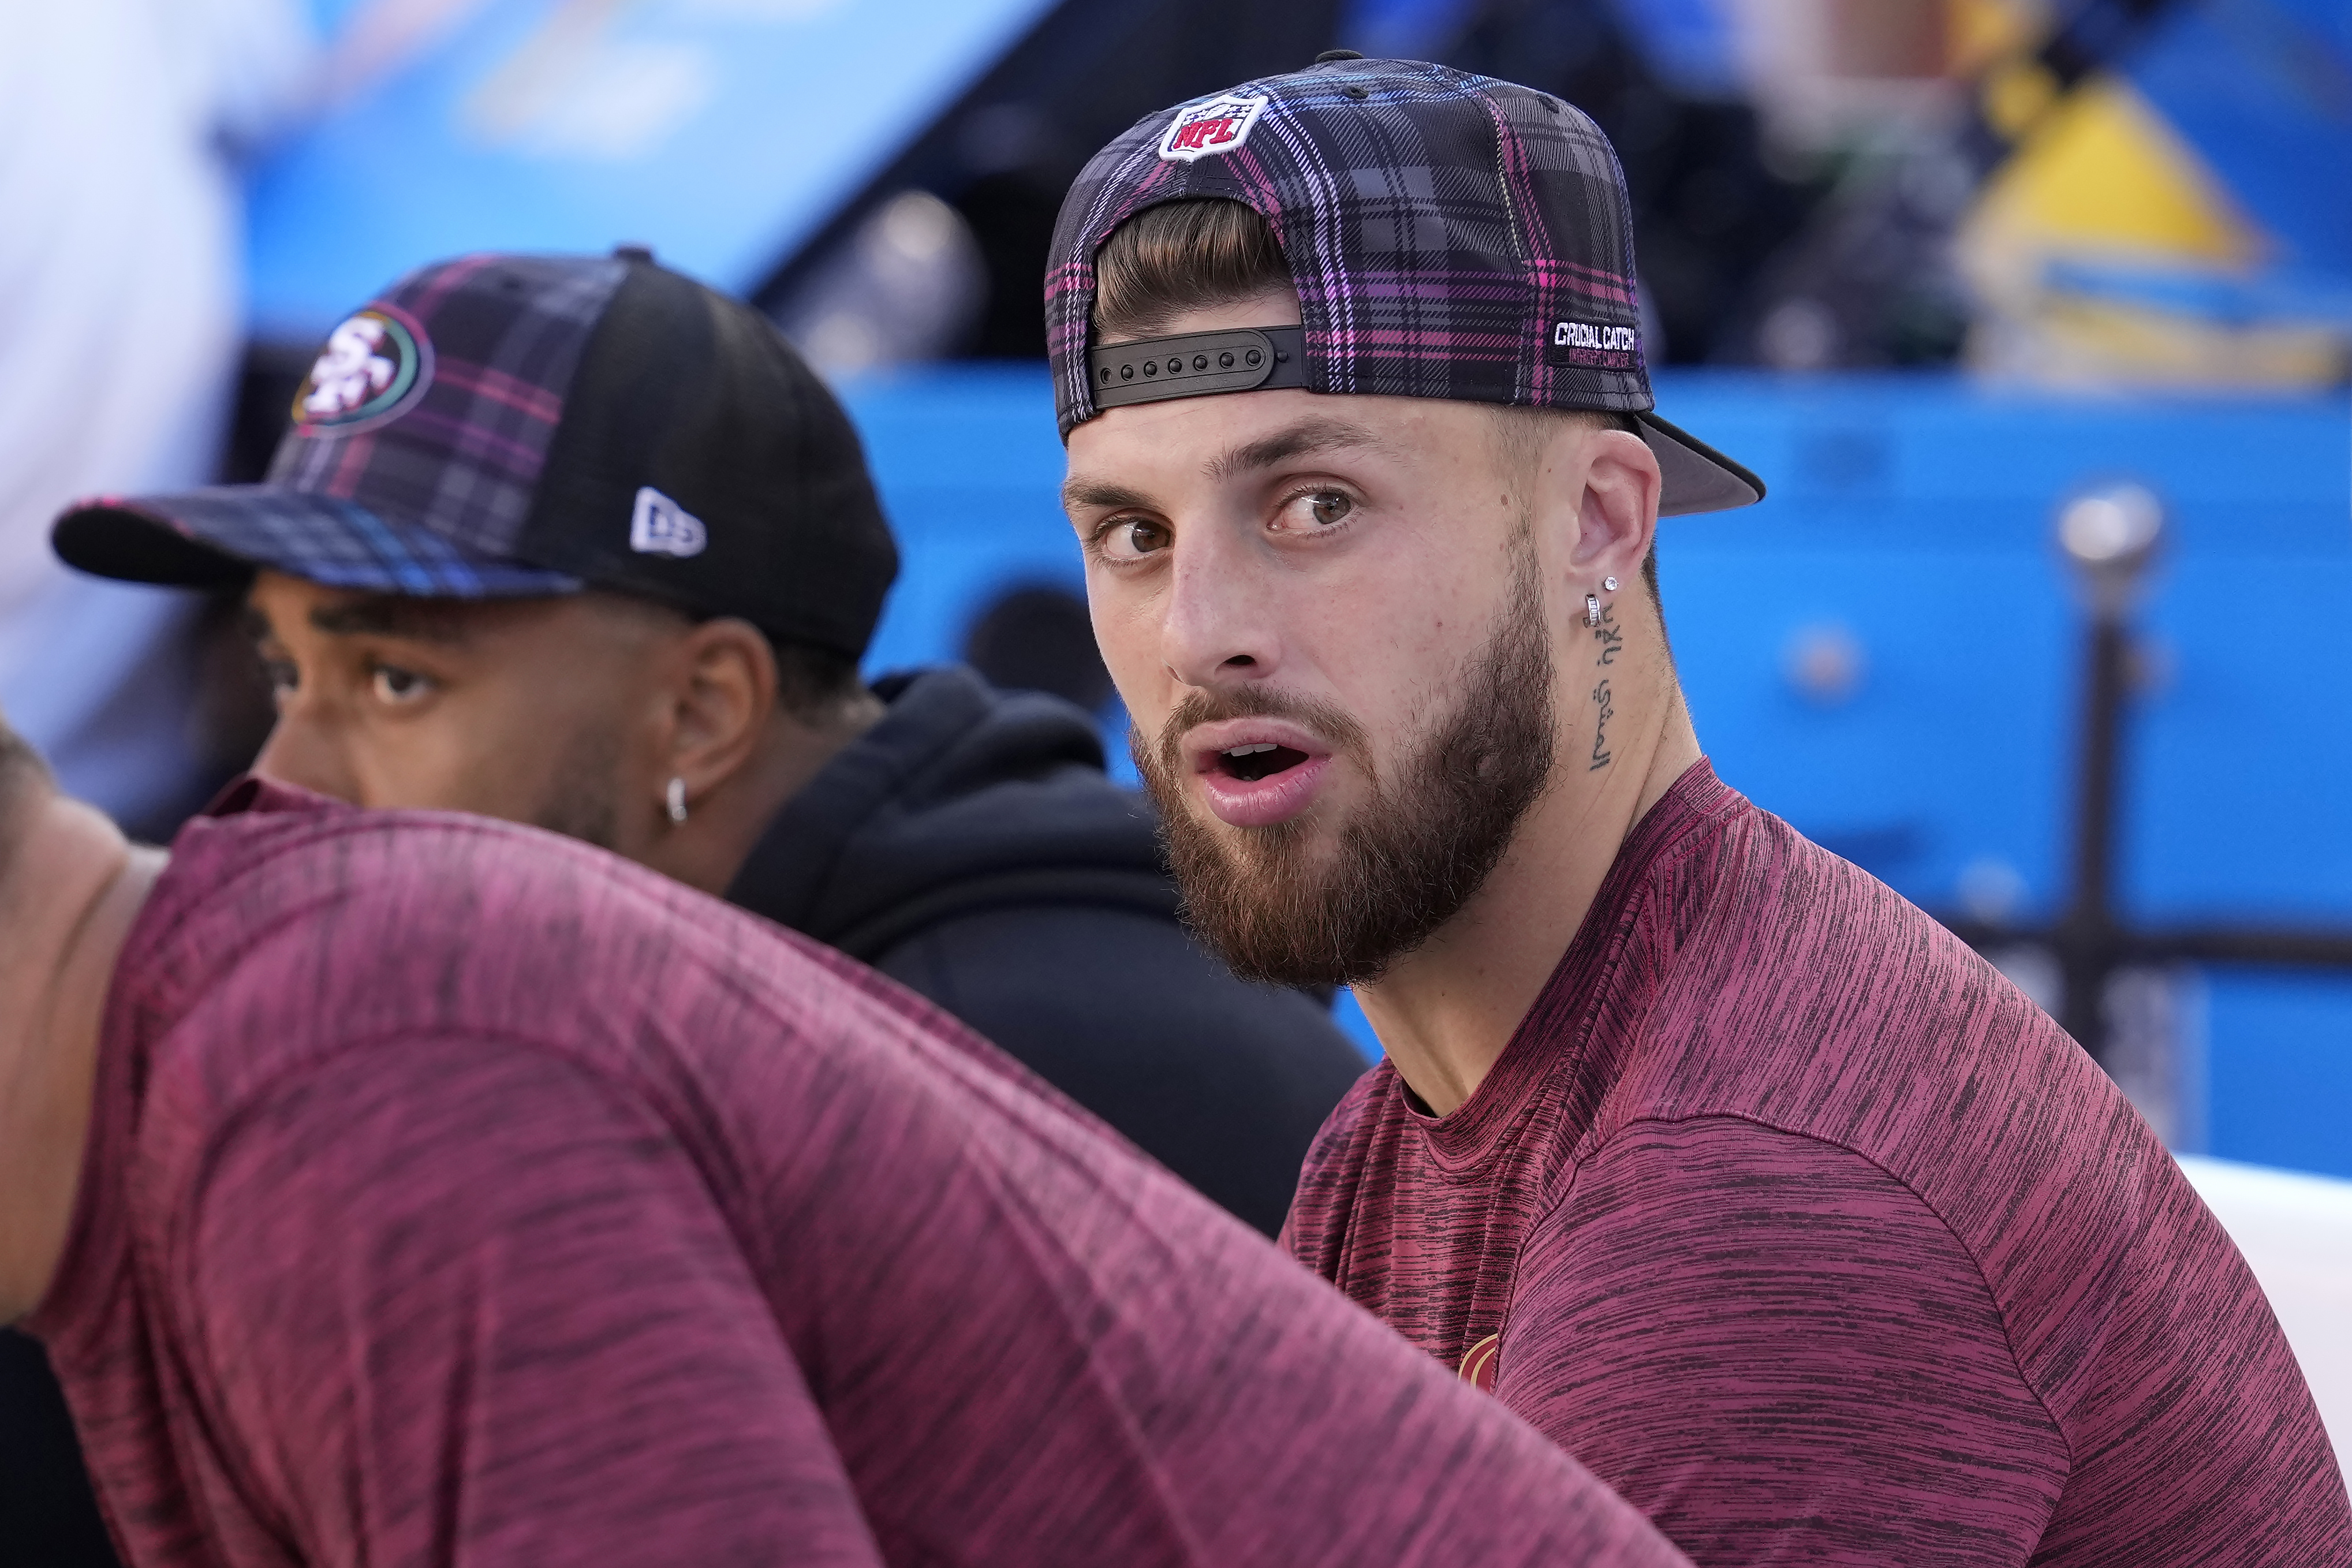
1258	759
1254	773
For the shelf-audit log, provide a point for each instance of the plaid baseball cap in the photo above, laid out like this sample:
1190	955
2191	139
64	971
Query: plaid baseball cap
509	426
1450	235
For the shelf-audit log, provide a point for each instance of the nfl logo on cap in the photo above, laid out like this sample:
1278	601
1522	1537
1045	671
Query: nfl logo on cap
1220	125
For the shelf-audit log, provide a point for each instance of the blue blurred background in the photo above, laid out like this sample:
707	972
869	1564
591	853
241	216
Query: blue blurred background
1929	266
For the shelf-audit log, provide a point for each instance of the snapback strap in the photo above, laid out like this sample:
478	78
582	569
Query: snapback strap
1240	359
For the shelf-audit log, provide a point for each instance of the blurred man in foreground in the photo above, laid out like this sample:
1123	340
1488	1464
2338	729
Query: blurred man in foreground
1731	1171
406	1188
576	542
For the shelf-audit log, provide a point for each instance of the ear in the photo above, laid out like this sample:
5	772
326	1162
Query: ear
724	691
1618	517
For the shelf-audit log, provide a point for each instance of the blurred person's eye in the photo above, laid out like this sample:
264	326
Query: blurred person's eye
396	686
282	676
1130	538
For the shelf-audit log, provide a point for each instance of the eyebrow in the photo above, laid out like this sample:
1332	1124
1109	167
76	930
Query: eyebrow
394	616
1079	492
1314	435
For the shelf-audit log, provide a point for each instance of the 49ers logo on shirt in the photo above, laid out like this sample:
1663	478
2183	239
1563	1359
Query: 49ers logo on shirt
1478	1363
1220	125
375	365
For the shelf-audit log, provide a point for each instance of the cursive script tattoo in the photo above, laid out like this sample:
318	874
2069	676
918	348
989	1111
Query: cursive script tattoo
1609	634
1601	726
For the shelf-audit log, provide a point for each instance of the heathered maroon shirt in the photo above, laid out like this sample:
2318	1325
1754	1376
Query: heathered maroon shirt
461	1196
1820	1243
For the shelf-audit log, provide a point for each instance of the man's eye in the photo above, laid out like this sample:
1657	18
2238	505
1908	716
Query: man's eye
393	684
1132	538
282	676
1311	510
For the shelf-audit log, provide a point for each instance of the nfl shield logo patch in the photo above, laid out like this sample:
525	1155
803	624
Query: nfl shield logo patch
1220	125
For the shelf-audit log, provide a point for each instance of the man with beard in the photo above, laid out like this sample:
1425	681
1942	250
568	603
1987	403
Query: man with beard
1729	1170
411	1188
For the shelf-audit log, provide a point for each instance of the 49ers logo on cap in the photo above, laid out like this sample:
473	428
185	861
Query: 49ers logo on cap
1220	125
374	365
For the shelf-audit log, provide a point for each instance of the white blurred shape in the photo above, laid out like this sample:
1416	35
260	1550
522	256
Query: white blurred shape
2156	1021
622	102
2032	969
2110	525
1798	334
2295	1231
573	89
1990	889
120	324
904	287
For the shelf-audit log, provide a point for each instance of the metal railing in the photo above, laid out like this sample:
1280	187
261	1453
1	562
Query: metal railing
2111	536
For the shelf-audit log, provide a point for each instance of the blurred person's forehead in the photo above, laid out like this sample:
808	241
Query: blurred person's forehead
354	610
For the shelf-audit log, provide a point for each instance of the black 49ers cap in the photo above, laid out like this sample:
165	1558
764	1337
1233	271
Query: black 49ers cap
1450	235
511	426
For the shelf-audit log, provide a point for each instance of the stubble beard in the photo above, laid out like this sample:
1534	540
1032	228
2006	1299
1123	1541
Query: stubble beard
1405	862
583	799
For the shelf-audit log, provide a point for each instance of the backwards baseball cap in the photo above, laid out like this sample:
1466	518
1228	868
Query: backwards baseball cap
1450	235
509	426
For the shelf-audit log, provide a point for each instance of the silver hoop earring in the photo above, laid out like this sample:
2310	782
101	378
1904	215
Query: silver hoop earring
1610	584
1592	611
675	801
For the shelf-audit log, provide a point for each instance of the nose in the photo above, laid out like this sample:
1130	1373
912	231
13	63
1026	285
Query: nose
1220	626
301	751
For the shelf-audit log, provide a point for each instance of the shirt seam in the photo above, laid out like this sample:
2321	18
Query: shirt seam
2009	1339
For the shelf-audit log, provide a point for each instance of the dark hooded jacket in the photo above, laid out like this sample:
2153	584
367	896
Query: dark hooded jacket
970	847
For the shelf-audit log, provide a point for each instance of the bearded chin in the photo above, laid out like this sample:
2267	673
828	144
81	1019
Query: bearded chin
1292	904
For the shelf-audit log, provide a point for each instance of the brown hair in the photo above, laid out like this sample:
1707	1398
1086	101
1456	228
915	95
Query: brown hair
1206	251
1183	255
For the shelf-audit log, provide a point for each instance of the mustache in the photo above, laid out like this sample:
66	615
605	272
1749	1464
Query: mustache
1199	706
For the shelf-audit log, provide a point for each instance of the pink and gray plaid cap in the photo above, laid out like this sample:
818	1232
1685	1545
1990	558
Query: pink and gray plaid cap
502	426
1450	235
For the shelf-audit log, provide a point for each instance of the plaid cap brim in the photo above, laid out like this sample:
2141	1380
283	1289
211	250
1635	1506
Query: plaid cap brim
217	537
1693	476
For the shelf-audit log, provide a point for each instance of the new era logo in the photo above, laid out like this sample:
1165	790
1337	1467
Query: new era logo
660	526
1220	125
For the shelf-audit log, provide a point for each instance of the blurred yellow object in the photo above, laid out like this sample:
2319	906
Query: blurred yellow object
2104	179
1979	34
2088	341
2016	93
2107	172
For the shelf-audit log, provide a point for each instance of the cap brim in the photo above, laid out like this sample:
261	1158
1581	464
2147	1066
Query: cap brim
1693	475
218	538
